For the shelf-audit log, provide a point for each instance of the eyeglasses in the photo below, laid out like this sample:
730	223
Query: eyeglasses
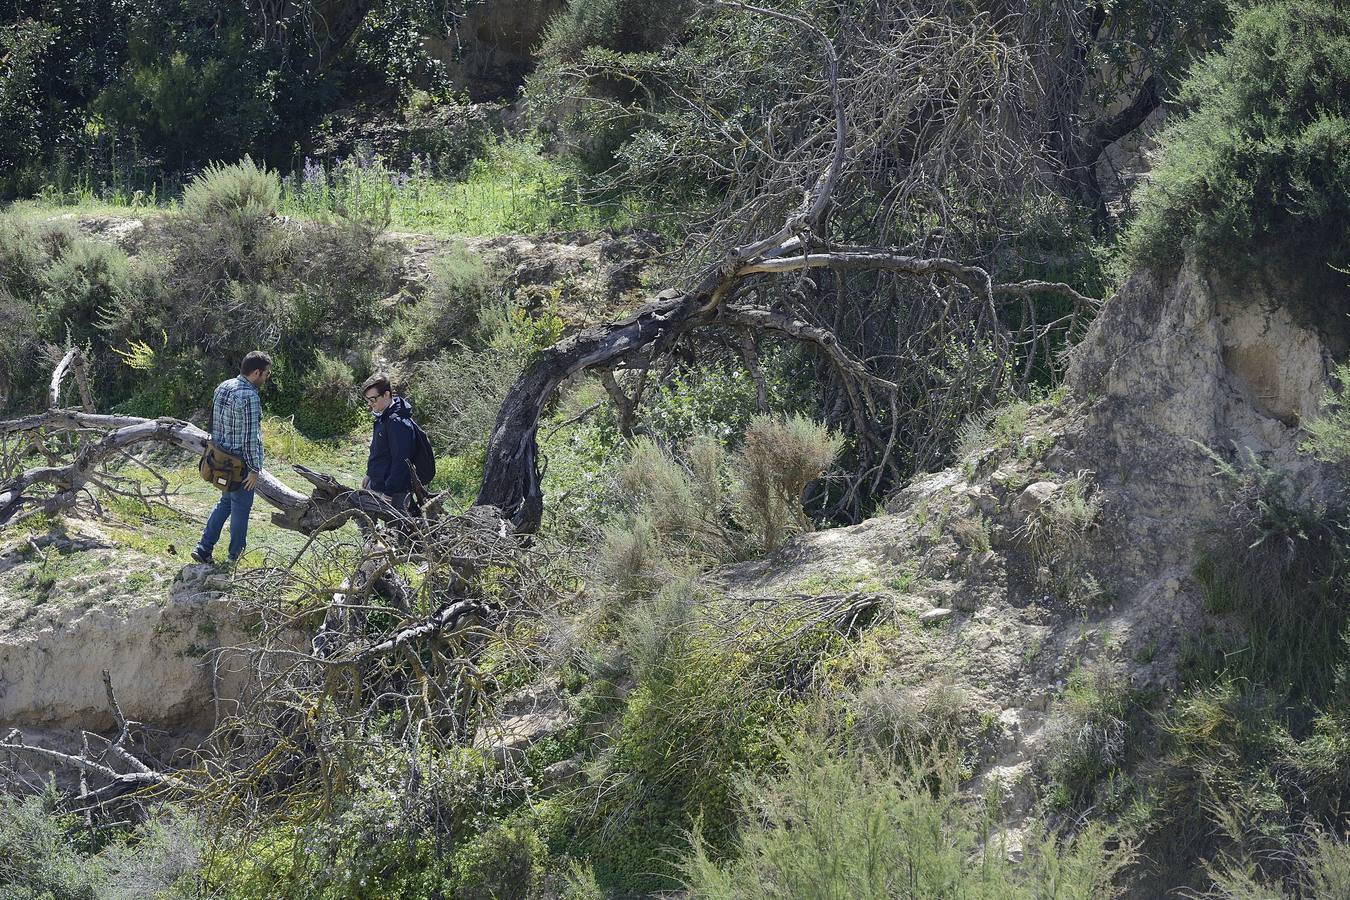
371	398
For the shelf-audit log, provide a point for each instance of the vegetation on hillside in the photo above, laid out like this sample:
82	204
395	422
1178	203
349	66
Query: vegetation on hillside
1259	159
716	745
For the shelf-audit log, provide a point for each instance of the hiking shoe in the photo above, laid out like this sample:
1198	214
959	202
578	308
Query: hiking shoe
204	558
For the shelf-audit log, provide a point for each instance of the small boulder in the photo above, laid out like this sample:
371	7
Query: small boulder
1035	496
937	614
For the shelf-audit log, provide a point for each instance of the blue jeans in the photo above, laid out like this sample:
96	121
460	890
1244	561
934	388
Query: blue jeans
233	505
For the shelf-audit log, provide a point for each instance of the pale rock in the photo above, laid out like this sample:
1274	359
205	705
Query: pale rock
1034	496
938	614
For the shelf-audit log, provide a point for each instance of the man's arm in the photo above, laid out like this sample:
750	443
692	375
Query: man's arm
377	465
253	448
401	440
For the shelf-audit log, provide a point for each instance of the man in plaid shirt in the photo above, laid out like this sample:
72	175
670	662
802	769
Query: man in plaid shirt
236	427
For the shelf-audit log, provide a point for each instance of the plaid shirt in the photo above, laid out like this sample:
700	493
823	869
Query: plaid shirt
236	421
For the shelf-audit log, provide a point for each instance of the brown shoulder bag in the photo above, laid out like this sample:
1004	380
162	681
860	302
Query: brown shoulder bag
222	468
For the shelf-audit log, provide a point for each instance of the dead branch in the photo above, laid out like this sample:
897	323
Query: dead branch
116	782
73	362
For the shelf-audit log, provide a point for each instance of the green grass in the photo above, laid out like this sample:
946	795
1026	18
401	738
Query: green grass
513	189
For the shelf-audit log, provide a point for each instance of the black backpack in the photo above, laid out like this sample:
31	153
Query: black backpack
423	459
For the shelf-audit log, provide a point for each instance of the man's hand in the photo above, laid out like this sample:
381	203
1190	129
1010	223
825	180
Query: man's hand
251	481
365	483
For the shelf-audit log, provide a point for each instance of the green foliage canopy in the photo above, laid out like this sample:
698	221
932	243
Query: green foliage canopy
1263	151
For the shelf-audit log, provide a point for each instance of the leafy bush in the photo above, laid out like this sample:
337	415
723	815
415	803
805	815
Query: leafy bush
1329	433
162	858
191	107
1262	151
698	510
45	854
460	308
327	404
685	499
23	46
839	823
394	828
1087	730
25	249
779	459
458	394
18	346
652	627
341	269
460	391
87	287
623	25
1323	862
710	399
227	276
239	188
1246	793
696	718
503	863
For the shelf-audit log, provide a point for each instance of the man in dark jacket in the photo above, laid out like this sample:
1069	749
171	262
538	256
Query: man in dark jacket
391	442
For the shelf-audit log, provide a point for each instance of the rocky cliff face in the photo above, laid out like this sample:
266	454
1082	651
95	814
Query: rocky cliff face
159	636
997	607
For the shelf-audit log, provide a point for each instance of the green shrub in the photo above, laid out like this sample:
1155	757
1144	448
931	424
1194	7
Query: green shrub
239	188
23	46
19	347
652	627
503	863
699	716
838	823
25	250
1236	789
459	309
1086	735
457	396
162	858
87	287
684	499
45	854
711	400
698	510
1262	152
624	25
342	269
779	459
630	562
392	827
189	107
1329	433
226	276
328	404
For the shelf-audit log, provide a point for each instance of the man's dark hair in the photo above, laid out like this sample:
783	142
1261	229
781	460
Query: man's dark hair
255	361
379	381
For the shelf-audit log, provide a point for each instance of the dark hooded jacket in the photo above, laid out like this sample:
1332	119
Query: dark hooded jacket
391	446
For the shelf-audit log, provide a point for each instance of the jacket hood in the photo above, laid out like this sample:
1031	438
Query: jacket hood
399	406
